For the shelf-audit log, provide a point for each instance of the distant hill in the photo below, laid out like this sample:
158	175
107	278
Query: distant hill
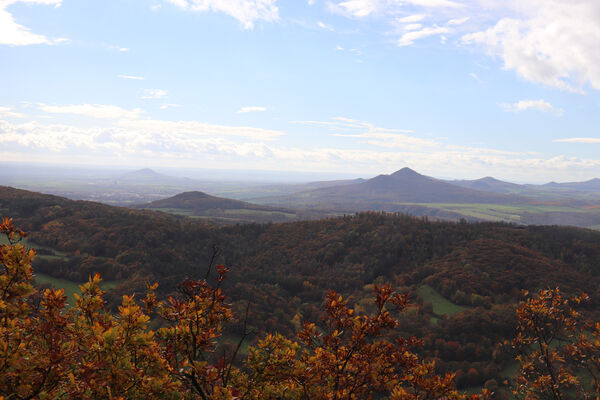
200	202
144	175
220	209
571	194
261	191
488	184
593	185
385	192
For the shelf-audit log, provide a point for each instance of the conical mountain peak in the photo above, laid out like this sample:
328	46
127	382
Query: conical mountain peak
405	172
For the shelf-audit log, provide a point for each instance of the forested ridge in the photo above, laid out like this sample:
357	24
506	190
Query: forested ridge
285	269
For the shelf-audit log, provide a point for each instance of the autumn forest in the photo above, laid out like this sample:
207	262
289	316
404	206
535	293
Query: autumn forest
178	308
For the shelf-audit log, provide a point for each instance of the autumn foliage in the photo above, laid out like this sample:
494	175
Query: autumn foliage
559	353
50	351
151	348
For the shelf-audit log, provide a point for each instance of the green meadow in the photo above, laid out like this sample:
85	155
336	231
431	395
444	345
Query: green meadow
70	287
440	304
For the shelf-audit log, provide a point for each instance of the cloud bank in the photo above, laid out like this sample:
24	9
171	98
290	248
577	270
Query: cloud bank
12	33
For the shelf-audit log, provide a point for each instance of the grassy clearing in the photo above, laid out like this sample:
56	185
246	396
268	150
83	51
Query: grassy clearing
501	212
440	304
176	211
246	212
56	254
70	287
235	215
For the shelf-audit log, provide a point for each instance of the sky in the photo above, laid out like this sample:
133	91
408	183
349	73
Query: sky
450	88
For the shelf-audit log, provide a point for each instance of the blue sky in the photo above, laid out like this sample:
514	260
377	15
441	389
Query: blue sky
451	88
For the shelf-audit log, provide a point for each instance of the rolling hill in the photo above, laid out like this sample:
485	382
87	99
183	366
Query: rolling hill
200	202
489	184
224	210
592	185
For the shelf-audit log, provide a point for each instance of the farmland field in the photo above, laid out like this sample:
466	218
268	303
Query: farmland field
519	214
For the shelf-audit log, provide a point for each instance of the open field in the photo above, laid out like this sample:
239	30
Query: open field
30	245
440	304
176	211
232	215
70	287
519	213
247	212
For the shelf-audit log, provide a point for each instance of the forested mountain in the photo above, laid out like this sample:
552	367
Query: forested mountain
220	209
199	201
467	277
387	192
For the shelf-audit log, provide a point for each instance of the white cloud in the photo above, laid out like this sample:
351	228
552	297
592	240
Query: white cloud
458	21
245	11
53	137
195	128
8	112
476	77
356	8
585	140
552	42
116	48
323	25
55	3
192	143
411	18
412	27
365	8
132	77
409	38
339	48
368	133
251	109
169	105
94	110
154	94
136	136
537	105
433	3
12	33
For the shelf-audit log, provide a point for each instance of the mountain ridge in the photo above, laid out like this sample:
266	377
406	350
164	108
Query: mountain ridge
383	192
